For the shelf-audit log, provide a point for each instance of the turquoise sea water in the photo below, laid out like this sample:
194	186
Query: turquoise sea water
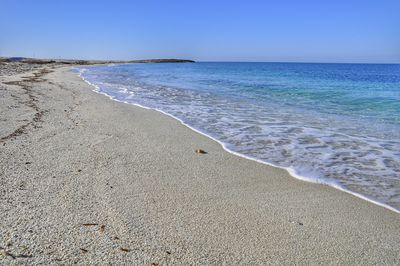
331	123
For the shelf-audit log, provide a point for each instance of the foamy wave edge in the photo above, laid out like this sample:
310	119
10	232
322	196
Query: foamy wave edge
291	171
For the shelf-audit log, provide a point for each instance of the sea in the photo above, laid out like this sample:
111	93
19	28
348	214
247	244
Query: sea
334	124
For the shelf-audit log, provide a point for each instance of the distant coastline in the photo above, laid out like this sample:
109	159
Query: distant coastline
90	62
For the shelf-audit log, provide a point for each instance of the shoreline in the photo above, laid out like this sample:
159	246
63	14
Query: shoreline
94	181
290	171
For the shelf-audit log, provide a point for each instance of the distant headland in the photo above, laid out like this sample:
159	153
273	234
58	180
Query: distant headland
89	62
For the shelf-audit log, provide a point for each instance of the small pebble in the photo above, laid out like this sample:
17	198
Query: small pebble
200	151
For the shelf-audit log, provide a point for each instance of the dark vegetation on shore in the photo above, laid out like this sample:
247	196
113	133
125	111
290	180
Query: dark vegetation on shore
87	62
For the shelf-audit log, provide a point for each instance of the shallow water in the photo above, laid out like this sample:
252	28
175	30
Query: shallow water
331	123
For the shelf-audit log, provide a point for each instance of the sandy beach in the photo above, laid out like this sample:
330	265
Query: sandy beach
90	181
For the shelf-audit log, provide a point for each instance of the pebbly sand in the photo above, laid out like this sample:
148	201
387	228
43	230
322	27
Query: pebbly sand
91	181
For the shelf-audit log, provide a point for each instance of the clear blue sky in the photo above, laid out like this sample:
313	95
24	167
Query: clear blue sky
305	31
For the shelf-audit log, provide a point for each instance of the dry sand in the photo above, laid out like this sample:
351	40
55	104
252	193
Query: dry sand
91	181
